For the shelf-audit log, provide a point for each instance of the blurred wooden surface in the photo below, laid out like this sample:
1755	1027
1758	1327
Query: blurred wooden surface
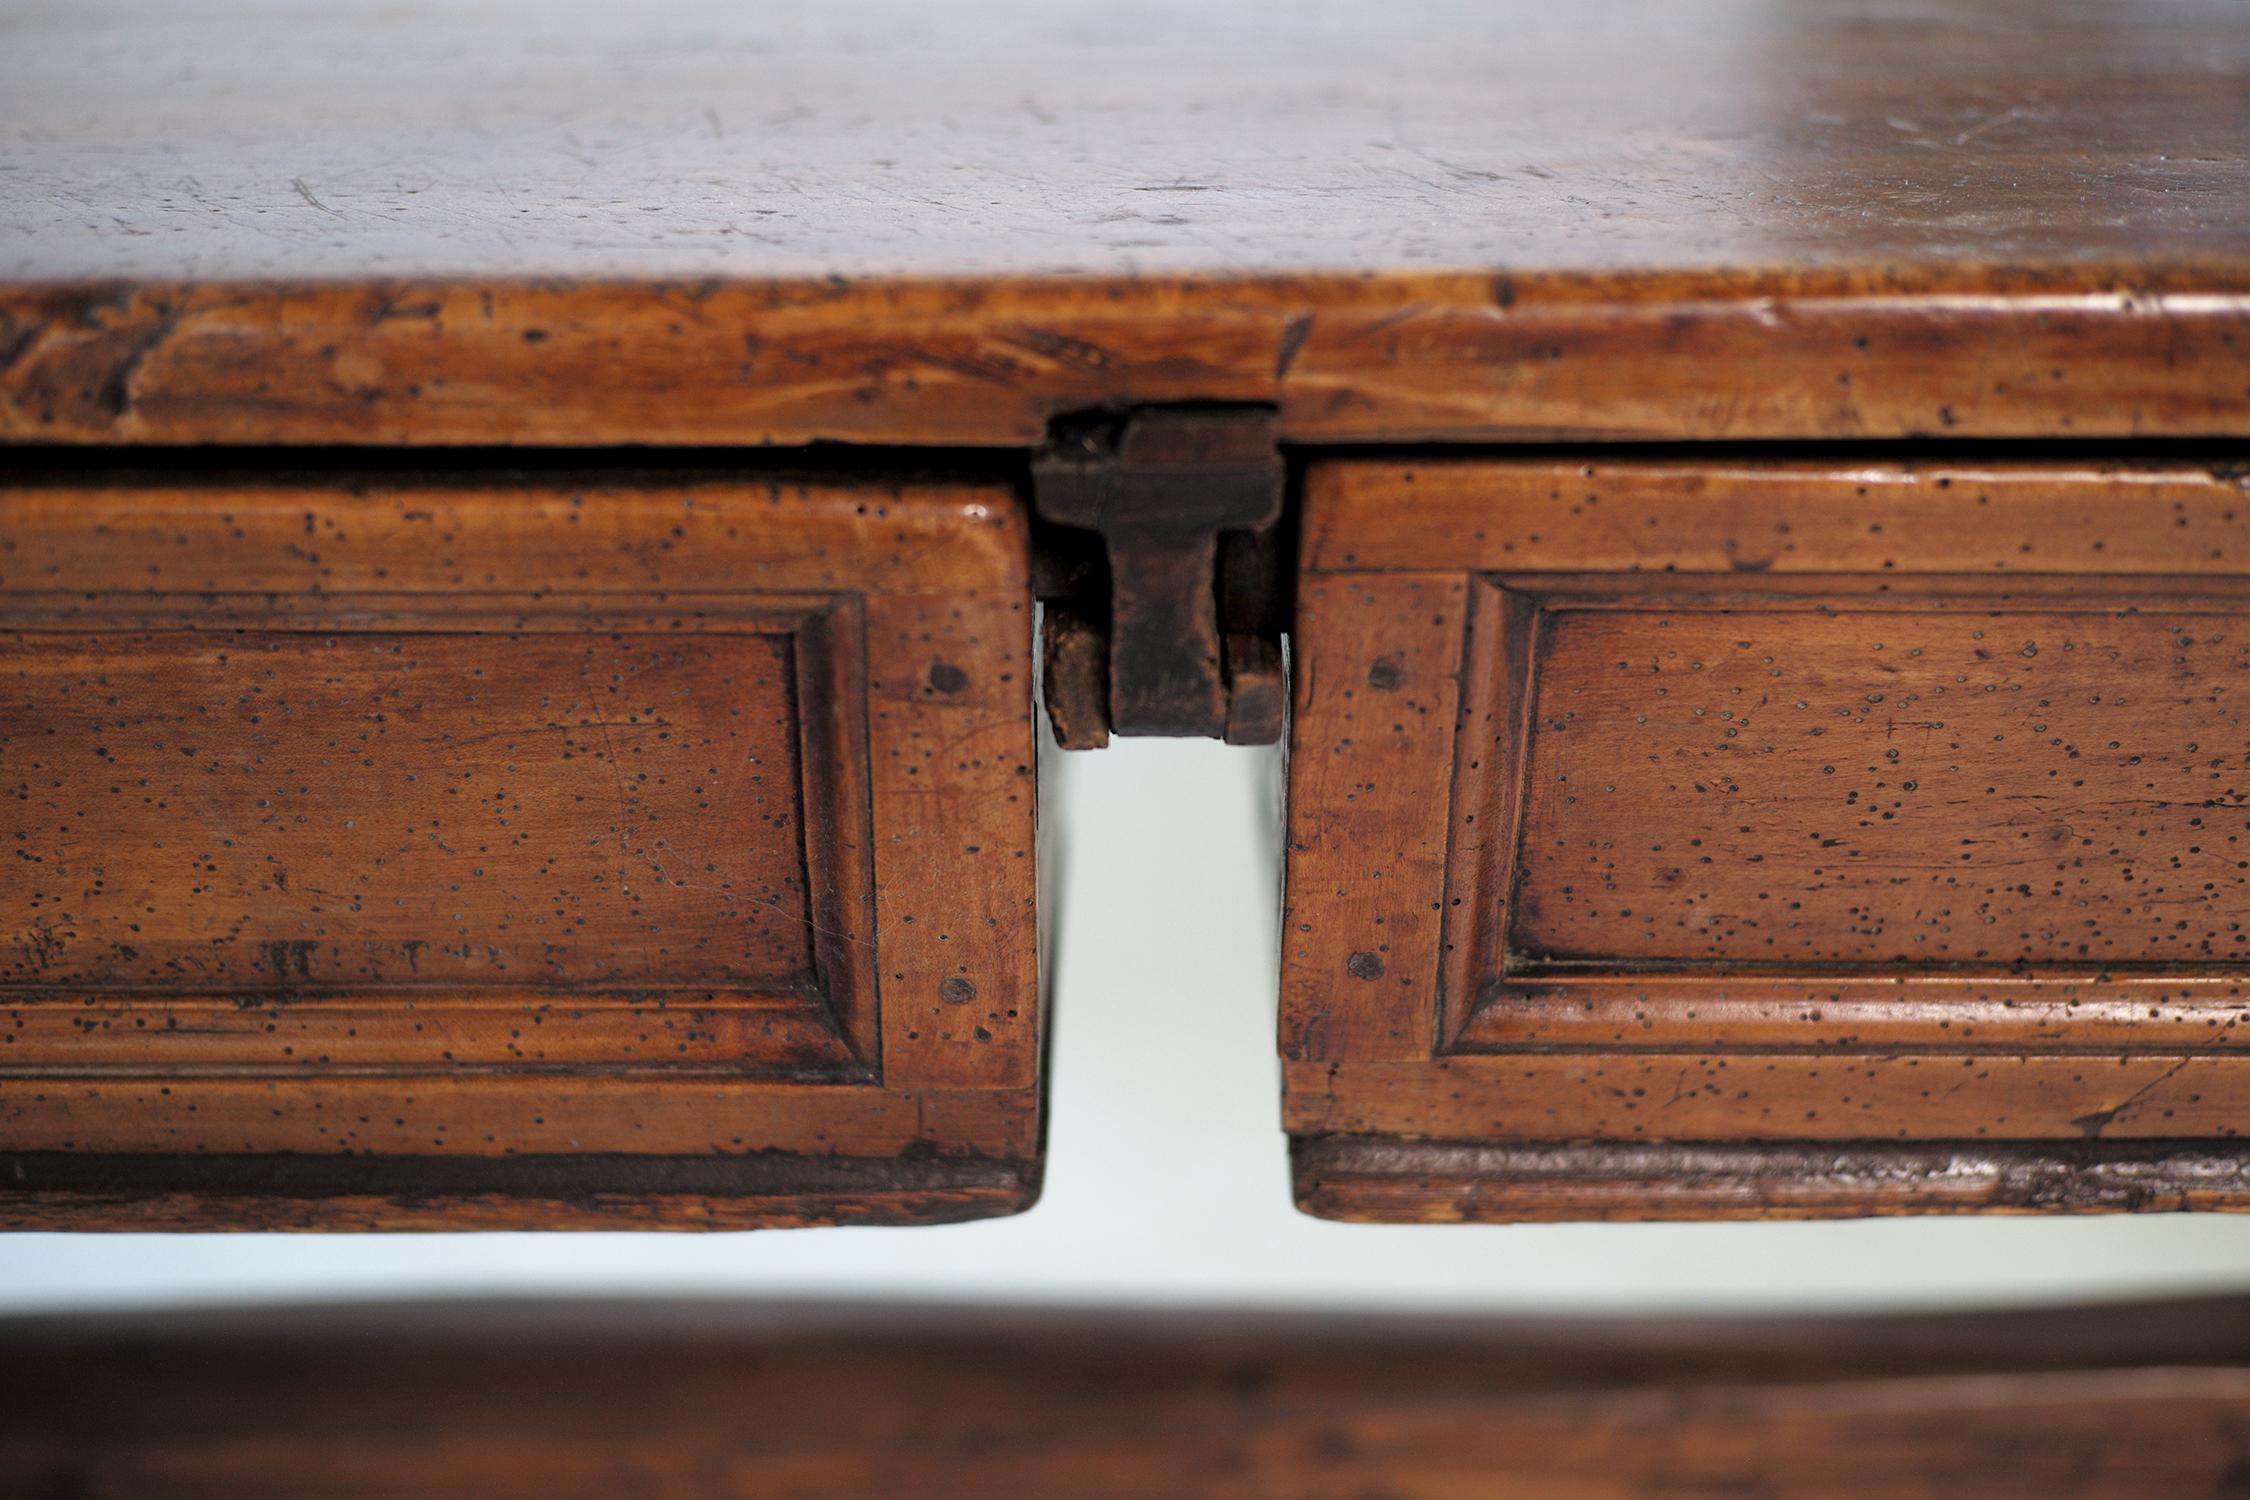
682	1399
246	221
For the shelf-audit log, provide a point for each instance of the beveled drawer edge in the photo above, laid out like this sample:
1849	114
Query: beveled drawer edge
752	1190
1379	1180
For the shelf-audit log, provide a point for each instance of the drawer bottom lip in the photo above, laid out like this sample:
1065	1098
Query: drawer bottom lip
346	1192
1376	1179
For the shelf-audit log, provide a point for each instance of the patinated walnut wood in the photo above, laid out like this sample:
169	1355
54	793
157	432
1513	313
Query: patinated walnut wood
496	1400
1445	1182
257	140
2117	351
587	223
322	797
1885	824
405	848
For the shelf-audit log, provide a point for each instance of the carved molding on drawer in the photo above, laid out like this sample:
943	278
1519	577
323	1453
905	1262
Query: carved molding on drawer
576	833
411	850
1939	819
1769	803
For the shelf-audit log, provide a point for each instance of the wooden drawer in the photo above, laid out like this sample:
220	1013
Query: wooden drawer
394	850
1768	838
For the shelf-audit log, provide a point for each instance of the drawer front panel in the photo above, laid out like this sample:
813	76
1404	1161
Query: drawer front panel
1731	781
382	829
435	863
1775	816
208	764
1594	839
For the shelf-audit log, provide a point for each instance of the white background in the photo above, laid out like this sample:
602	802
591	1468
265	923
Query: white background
1168	1176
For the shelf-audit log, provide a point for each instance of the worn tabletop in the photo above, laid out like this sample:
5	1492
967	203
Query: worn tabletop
1277	195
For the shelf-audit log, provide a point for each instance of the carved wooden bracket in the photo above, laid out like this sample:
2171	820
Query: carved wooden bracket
1175	628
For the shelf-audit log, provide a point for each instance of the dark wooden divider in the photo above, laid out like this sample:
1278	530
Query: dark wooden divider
682	1398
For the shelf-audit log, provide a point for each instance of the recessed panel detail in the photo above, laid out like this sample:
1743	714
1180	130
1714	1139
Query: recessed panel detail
264	811
1831	788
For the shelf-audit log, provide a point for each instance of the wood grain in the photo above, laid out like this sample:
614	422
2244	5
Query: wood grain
834	1401
1716	1091
856	222
401	141
266	1192
1437	1182
1797	801
593	816
2103	519
2017	780
2115	352
1358	919
247	228
547	807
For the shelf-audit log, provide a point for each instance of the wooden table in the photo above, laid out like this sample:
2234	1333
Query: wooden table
521	533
